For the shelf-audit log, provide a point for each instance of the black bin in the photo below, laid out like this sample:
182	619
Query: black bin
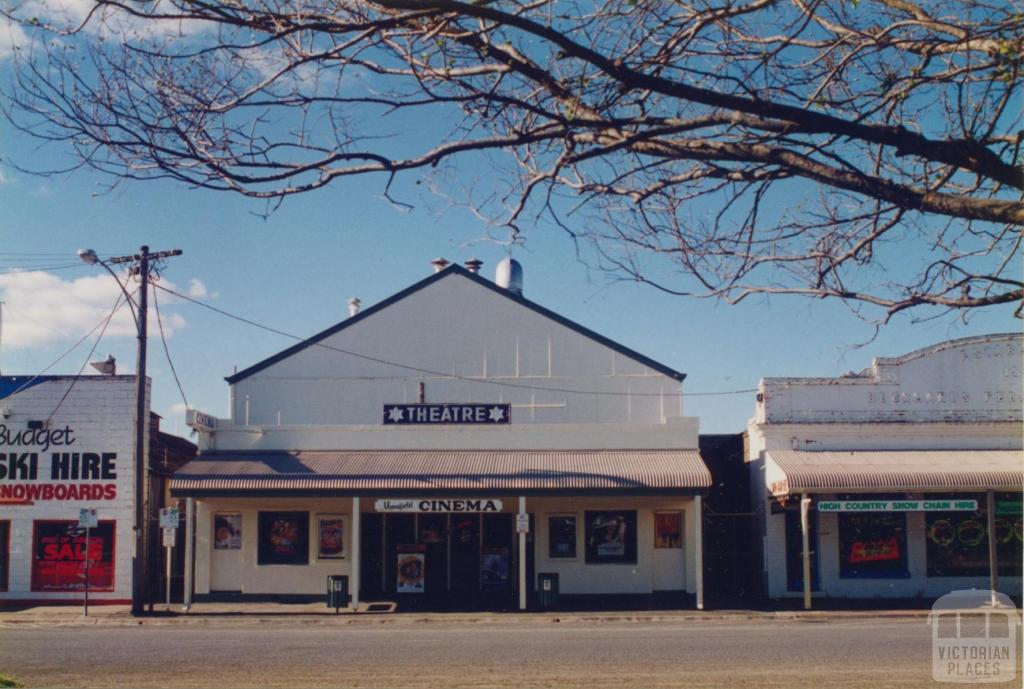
337	592
547	590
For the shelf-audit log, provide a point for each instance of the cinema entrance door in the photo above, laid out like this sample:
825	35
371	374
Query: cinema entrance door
440	560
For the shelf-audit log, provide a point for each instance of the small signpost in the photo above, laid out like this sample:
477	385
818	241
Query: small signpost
522	523
87	519
169	523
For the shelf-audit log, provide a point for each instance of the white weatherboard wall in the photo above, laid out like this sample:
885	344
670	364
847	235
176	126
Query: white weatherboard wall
669	569
479	346
238	571
456	327
959	395
100	410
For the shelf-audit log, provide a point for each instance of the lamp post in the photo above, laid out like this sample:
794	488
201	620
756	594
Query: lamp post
140	570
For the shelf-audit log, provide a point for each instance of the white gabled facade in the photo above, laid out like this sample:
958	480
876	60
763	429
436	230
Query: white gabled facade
454	338
963	395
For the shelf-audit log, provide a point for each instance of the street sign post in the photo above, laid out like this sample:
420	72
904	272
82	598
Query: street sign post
169	523
87	519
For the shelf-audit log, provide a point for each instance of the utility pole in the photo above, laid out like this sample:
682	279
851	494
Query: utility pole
140	561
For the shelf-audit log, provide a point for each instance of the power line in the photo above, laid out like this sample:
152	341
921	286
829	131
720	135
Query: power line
37	269
167	352
439	374
106	322
61	357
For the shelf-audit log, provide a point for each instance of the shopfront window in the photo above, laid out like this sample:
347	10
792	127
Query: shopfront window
957	542
873	545
59	551
562	536
5	553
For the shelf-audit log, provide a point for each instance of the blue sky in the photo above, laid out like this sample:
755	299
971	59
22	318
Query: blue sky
296	270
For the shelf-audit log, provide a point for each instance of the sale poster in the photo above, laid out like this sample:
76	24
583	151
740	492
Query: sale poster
59	552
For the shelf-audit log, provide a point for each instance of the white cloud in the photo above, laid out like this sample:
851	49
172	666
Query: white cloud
41	309
11	38
196	289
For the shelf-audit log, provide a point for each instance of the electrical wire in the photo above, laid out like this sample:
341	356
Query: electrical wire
36	269
117	306
56	361
439	374
167	352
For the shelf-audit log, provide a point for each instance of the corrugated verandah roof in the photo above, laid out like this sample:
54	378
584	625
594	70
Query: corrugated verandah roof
796	471
427	470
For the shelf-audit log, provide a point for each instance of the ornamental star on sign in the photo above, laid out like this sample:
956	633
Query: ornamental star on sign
396	414
497	414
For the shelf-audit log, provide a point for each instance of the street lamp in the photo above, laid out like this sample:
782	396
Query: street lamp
140	571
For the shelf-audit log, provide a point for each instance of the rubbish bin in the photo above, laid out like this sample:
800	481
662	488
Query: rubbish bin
337	592
547	590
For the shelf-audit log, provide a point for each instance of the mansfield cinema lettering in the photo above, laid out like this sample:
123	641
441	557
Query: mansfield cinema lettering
442	505
440	414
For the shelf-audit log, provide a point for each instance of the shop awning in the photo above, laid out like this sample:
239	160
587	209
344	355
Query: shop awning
484	471
790	472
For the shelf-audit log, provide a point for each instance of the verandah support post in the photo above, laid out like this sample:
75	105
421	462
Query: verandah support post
805	540
522	557
993	572
698	509
354	576
190	537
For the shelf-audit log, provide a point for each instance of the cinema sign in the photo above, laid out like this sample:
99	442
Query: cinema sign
438	505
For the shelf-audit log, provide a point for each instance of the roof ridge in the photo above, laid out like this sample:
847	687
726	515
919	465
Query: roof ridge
454	269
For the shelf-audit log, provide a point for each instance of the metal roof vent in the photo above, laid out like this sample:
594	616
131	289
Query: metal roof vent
439	264
509	274
353	306
473	265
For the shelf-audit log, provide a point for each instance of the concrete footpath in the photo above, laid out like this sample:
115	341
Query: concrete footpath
277	614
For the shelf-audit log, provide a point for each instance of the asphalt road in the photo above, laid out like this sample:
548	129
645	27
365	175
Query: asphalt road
594	655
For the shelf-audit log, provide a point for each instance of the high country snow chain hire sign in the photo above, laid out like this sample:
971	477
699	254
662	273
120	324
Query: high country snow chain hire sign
898	506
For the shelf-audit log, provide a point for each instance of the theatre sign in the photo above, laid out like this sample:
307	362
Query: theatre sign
442	414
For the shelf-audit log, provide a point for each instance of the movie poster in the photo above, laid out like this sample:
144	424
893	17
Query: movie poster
562	537
412	572
668	529
331	537
59	552
227	531
494	570
611	537
283	538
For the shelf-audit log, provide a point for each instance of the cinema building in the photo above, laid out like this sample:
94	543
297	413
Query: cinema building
67	444
889	482
449	447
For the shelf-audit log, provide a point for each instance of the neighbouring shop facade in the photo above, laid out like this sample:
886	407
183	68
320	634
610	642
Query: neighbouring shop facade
449	445
885	483
66	444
